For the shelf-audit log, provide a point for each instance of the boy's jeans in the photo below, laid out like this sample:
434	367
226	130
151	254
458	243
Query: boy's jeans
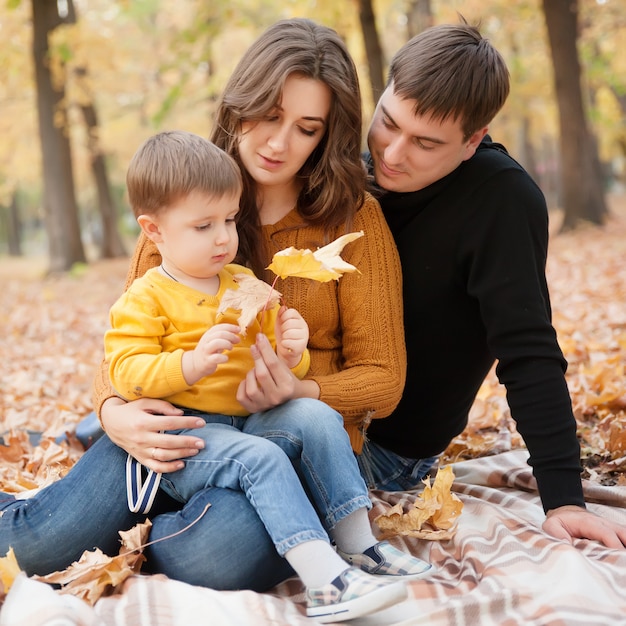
258	455
383	469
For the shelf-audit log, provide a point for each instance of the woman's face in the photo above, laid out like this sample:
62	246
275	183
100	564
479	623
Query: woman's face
274	149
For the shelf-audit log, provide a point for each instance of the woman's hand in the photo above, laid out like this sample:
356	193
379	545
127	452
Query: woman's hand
271	382
136	427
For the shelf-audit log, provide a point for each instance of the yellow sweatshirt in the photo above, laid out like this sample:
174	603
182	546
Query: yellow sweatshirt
358	357
156	320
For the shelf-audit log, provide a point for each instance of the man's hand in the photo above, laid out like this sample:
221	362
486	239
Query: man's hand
573	522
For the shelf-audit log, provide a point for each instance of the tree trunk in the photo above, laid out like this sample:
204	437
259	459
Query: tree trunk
61	210
583	195
373	49
419	17
14	227
111	245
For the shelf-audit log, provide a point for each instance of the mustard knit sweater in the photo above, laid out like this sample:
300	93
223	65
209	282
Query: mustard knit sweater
356	344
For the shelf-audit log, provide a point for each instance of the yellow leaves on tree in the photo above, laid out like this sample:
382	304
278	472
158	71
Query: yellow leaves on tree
323	265
250	298
95	574
433	516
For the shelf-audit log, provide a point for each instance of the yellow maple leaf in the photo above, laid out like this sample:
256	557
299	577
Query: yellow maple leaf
323	265
434	514
250	298
9	569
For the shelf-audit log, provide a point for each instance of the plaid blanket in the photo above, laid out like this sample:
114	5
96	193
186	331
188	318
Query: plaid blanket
499	569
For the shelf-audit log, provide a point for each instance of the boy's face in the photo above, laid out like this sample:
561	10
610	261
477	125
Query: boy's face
196	235
410	152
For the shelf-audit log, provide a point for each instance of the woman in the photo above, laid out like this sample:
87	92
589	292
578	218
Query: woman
291	117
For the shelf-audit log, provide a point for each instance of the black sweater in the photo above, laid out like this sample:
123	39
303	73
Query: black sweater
473	248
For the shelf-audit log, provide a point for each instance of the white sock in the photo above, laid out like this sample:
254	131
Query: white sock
315	562
353	534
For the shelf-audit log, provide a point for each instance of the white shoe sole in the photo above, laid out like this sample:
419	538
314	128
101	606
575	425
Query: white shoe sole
393	593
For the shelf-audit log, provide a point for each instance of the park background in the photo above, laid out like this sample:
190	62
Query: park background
83	83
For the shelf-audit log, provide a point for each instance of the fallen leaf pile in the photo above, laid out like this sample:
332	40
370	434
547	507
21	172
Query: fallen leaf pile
433	516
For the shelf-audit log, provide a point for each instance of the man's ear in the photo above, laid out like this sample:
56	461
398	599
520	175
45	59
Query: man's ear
473	142
150	228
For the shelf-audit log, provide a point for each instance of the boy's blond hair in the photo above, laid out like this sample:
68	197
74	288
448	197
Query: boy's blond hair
172	164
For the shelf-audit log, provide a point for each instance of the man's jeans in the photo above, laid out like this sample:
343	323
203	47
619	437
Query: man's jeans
383	469
254	454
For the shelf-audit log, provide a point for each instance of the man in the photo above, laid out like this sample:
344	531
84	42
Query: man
471	229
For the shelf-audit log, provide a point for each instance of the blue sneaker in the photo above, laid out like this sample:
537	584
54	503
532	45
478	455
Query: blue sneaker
352	594
383	559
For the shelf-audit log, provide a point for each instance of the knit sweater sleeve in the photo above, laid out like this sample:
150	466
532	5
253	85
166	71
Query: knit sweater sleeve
371	381
506	274
144	257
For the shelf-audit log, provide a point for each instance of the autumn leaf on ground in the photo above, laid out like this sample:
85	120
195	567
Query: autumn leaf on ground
95	574
323	265
434	514
250	298
9	569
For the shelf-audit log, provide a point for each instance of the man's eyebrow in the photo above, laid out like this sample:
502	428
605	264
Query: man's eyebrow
420	137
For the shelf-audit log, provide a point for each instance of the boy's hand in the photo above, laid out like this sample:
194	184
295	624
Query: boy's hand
210	352
292	336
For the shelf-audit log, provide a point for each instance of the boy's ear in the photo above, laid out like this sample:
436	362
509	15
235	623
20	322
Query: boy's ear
150	228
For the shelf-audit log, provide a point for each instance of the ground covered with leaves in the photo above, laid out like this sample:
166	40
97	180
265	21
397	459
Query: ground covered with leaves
52	343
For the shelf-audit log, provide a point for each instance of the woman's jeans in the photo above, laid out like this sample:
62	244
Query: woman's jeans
226	548
252	454
383	469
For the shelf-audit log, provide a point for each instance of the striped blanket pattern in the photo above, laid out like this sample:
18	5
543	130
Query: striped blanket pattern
500	569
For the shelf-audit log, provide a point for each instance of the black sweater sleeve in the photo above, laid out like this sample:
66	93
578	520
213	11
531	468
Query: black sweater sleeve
504	254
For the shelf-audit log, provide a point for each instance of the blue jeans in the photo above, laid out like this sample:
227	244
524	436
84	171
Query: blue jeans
383	469
228	548
253	454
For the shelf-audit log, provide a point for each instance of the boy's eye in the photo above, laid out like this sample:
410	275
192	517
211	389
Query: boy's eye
203	226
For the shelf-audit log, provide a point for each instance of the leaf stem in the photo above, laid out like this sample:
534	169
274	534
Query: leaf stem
269	296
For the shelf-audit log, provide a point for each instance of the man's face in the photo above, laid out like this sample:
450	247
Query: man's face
411	152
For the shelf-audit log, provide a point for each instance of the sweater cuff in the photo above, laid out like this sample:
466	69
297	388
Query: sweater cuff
559	488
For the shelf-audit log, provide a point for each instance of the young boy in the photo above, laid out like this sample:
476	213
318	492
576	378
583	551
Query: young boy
166	342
